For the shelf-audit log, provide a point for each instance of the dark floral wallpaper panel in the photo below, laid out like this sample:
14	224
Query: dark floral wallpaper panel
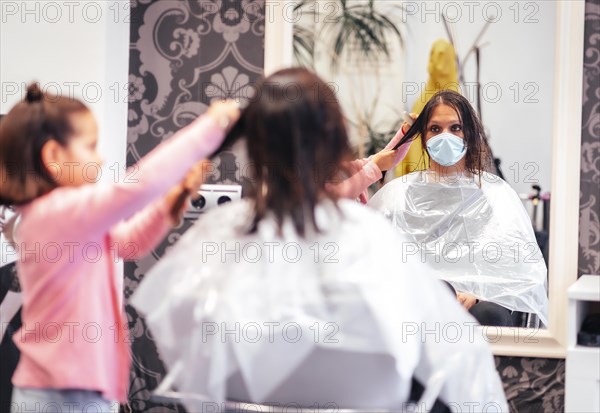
589	207
183	55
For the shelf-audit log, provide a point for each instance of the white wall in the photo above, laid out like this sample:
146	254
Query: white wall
518	56
76	48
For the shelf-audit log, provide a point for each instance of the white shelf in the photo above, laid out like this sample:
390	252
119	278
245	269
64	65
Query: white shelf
586	288
585	349
582	387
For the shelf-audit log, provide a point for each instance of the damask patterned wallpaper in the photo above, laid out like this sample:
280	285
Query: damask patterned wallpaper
186	53
183	55
589	209
533	384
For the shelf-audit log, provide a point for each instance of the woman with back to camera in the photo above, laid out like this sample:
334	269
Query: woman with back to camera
467	224
296	296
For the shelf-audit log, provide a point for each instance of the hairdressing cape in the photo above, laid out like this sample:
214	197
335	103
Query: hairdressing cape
473	232
268	318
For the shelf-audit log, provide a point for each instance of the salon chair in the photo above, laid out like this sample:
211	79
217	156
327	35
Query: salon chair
328	381
526	320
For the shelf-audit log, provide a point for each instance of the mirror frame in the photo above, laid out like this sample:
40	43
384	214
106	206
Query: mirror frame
566	158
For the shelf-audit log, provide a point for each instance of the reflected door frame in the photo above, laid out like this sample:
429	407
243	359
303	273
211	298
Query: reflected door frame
566	158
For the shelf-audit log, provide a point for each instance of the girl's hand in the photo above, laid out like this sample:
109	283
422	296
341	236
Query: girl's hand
402	150
178	196
225	113
176	200
405	126
467	300
385	159
196	175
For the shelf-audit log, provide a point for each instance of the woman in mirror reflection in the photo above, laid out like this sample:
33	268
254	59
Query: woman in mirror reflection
466	224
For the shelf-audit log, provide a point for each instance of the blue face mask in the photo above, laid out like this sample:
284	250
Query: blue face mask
446	149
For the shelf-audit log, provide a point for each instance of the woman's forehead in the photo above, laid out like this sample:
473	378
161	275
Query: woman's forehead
444	112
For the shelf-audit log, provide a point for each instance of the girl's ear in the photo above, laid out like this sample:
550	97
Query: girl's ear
53	156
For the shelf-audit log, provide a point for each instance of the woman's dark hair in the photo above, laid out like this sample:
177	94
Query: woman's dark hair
478	157
296	139
23	132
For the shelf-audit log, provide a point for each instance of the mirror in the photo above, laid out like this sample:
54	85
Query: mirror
524	92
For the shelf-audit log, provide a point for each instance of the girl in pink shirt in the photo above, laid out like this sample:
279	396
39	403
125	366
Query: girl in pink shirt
73	232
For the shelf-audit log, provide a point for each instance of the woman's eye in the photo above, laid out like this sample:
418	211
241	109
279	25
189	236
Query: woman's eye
434	129
456	128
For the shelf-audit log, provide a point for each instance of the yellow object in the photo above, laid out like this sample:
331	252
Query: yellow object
443	74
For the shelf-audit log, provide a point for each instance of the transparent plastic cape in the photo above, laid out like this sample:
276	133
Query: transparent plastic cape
473	233
264	318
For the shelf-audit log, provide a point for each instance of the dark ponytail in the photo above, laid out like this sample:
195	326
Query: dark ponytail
34	93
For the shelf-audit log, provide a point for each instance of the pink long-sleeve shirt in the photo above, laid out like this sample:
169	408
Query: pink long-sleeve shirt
364	172
74	333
